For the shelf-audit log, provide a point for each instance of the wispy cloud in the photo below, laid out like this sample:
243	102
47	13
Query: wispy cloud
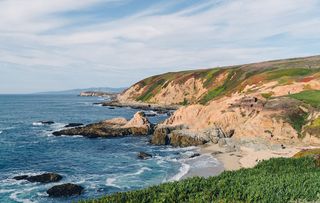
115	44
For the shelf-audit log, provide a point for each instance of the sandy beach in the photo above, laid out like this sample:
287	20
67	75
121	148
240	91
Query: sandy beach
247	157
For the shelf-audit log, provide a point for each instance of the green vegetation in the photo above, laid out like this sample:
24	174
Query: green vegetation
311	97
297	119
290	72
155	87
267	95
234	79
314	128
276	180
227	80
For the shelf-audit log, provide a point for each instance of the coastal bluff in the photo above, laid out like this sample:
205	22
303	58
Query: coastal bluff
278	101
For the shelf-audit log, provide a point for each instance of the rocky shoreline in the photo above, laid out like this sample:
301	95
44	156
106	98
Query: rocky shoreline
160	109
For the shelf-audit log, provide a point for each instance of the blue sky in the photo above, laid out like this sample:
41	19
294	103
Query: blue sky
64	44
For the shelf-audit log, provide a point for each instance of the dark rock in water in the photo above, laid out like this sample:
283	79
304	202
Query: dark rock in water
42	178
45	178
143	155
65	190
46	122
110	107
139	125
22	177
194	155
73	125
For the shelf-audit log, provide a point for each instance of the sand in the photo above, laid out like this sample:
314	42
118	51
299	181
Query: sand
248	157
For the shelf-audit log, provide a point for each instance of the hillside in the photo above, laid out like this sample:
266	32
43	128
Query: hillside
271	78
275	100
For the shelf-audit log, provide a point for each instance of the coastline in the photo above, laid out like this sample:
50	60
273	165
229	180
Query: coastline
248	157
245	157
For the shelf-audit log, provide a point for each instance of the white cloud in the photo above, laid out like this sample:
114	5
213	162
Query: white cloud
223	33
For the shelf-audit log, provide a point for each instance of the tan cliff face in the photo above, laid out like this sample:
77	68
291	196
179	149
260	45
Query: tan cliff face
275	100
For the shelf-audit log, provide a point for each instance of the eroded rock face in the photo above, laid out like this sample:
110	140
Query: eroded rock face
161	134
177	136
184	138
42	178
65	190
139	125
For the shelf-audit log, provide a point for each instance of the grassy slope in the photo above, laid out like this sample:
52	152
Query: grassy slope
275	180
237	77
311	97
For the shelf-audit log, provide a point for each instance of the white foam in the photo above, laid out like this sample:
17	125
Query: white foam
110	182
1	131
183	170
37	123
6	190
14	196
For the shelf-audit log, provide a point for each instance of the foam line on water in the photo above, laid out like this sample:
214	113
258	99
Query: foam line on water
183	170
110	182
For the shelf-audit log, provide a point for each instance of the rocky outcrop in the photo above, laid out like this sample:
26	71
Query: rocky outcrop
160	109
139	125
144	155
177	136
43	178
181	136
65	190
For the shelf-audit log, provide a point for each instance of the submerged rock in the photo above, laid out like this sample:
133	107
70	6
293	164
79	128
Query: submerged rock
144	155
22	177
65	190
194	155
139	125
73	125
42	178
46	122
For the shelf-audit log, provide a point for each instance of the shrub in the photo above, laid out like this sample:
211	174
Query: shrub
276	180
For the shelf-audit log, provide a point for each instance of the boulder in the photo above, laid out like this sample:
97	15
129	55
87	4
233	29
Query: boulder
65	190
139	125
143	155
177	136
42	178
194	155
46	122
73	125
45	178
183	138
161	134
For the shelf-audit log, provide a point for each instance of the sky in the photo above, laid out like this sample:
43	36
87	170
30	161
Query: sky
50	45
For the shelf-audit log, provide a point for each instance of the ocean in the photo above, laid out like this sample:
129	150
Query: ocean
101	166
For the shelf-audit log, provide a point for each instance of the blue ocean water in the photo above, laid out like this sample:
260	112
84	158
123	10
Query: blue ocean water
101	166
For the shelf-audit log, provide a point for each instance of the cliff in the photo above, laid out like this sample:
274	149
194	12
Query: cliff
275	100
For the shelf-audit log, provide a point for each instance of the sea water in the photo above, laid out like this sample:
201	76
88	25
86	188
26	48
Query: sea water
101	166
